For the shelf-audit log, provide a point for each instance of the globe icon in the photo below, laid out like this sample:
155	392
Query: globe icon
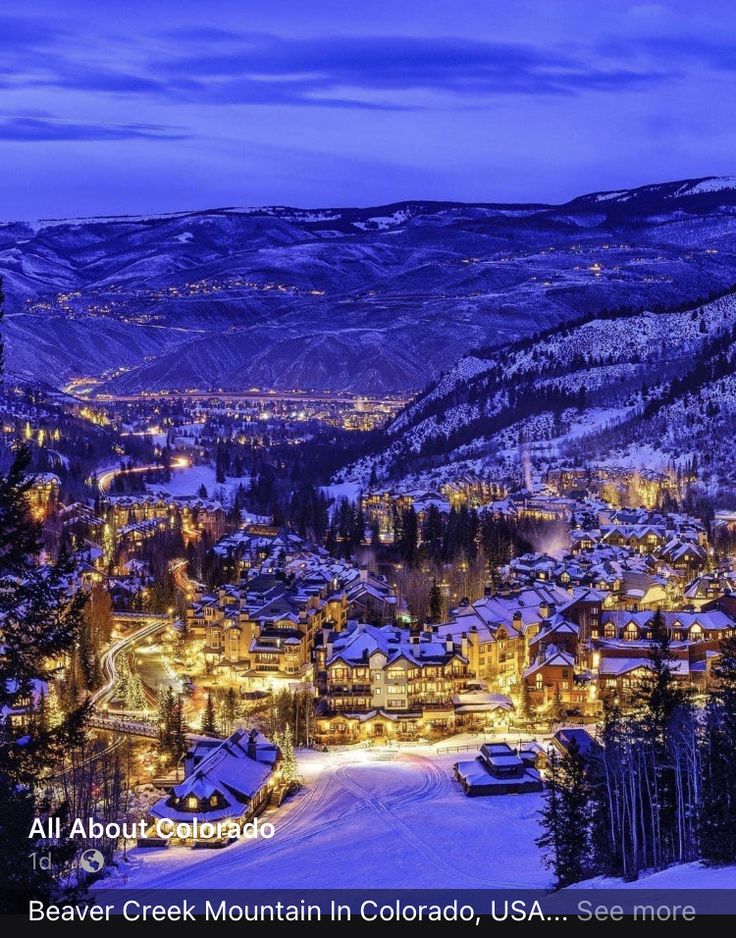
91	861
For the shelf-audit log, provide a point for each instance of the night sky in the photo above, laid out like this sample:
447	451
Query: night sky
150	105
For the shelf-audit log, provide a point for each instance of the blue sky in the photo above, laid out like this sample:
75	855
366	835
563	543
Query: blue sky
158	106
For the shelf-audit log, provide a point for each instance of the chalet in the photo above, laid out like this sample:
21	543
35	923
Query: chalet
705	590
685	557
228	781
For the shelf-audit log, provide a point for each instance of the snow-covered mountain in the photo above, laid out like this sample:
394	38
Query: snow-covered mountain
370	299
648	390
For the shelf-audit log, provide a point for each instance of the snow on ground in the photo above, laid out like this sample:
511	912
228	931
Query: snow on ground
682	876
349	490
188	482
711	184
370	818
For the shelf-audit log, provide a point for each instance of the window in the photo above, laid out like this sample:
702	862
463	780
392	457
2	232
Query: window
192	802
609	630
631	632
696	631
377	692
539	682
566	685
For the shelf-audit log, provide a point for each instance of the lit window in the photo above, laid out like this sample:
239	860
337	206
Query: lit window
192	802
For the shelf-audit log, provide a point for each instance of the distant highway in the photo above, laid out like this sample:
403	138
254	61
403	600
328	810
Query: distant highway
104	480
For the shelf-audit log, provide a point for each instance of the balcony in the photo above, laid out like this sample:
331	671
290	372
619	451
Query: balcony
349	689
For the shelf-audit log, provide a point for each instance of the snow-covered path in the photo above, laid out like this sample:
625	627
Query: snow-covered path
370	819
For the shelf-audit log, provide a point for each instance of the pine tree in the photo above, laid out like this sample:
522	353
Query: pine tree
122	684
436	605
566	817
230	708
166	705
209	719
178	733
134	696
718	814
40	623
285	742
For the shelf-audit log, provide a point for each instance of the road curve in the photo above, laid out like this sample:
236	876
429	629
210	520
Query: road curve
108	658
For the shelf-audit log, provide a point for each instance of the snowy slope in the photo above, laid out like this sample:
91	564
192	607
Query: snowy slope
643	389
370	819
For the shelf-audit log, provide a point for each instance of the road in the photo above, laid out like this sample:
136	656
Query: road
108	658
104	480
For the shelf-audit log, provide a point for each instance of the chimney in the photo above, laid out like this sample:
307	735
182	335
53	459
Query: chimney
449	645
464	644
363	573
488	590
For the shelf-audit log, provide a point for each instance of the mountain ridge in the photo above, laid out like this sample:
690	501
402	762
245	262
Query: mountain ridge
373	299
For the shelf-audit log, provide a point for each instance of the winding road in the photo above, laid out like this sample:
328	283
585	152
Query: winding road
108	658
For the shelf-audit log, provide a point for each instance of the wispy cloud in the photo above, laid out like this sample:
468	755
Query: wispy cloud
32	128
258	68
391	72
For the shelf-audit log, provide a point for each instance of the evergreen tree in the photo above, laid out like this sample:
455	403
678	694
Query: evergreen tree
209	719
134	697
436	604
285	742
231	707
40	623
122	683
408	536
566	817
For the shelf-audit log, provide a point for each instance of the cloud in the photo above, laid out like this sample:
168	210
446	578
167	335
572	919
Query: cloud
30	129
258	68
391	72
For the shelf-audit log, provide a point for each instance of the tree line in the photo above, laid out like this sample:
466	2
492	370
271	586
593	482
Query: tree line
658	788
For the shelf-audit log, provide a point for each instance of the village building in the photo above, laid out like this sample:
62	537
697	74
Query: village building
388	681
225	781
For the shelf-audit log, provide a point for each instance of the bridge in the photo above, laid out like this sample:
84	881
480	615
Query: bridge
123	726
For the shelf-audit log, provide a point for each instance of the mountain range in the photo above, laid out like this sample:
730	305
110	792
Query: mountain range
376	300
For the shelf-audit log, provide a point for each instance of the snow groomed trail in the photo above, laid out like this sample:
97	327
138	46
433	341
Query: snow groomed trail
370	819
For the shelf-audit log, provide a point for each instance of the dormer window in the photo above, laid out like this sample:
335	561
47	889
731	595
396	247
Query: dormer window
192	802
